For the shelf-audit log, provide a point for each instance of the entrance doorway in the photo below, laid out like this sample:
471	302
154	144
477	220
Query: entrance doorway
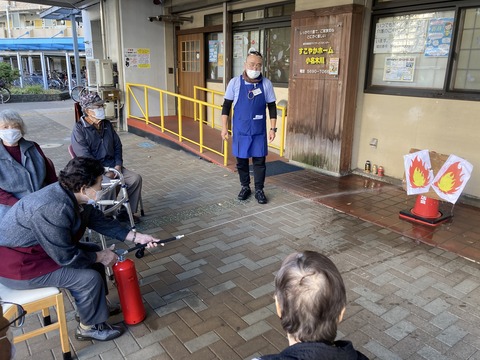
191	68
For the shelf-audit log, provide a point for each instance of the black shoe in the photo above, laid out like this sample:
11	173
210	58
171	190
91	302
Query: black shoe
260	196
100	332
123	217
244	193
112	310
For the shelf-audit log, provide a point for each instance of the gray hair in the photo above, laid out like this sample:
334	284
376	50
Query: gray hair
10	117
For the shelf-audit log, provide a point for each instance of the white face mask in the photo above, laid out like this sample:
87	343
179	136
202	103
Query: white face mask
10	136
99	113
253	74
98	195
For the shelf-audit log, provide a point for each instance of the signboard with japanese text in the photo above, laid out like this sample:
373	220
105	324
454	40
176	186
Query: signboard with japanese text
316	50
399	68
137	58
439	37
405	35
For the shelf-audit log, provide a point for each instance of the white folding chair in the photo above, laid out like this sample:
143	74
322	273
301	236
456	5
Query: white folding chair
35	300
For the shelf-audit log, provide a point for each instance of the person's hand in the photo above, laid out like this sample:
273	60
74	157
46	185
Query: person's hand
144	239
118	168
110	174
224	134
107	257
271	135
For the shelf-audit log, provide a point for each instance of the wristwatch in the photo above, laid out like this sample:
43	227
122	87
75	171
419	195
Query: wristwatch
274	129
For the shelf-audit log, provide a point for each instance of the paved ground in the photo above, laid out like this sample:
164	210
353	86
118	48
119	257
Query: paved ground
210	295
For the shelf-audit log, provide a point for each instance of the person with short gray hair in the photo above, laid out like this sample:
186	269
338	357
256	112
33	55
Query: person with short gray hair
310	298
24	168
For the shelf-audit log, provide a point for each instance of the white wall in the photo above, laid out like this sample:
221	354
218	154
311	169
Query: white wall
136	31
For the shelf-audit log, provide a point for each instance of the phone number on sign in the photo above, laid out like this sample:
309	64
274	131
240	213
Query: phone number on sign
313	71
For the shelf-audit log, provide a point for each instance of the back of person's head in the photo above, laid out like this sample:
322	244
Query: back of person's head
80	172
311	296
12	118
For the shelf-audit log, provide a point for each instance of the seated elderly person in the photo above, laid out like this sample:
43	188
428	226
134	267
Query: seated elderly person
40	247
95	137
24	167
310	298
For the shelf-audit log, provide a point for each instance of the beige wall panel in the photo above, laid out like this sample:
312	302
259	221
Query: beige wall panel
401	123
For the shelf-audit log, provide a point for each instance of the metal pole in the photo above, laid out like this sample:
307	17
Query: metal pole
76	55
20	68
44	71
69	71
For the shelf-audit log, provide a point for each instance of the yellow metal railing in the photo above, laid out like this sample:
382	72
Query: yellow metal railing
143	108
133	92
281	115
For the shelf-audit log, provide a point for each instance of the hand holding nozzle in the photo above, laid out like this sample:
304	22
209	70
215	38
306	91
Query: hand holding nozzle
141	247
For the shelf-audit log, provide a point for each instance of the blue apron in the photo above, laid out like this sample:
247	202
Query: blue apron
249	122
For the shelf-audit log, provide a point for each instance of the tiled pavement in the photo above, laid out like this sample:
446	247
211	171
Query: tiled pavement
209	295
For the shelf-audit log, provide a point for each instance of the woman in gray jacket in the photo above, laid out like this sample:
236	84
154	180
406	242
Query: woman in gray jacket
40	244
24	168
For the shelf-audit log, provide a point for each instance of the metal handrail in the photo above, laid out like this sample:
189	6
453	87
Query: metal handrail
143	108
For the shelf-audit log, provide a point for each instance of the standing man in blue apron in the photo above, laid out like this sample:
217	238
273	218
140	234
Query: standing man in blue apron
250	94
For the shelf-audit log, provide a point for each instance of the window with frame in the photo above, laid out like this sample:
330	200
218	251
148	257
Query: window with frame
432	52
268	31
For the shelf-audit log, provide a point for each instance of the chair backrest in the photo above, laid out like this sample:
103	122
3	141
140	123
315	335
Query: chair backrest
71	152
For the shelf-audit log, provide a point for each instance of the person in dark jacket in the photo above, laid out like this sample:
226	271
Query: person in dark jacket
24	168
310	298
40	244
94	136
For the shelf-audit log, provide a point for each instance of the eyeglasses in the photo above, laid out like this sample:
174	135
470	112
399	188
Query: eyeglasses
19	319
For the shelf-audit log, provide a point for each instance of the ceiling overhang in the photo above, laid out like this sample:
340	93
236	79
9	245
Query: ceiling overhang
69	4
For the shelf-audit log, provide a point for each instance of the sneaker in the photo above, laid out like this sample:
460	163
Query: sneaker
112	310
260	196
123	217
244	193
100	332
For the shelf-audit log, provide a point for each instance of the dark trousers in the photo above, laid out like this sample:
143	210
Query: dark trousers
259	169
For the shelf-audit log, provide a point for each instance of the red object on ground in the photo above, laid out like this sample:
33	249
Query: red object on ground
425	212
129	292
426	207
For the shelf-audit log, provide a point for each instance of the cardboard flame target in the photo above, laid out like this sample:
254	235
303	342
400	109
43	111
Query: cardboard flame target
452	178
418	170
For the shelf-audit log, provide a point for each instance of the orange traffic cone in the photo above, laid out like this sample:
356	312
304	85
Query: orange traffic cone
426	207
425	212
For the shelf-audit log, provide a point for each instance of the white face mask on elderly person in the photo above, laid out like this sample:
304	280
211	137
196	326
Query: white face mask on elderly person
99	113
10	136
253	74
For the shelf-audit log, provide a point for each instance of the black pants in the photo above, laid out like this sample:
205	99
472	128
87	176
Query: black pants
259	169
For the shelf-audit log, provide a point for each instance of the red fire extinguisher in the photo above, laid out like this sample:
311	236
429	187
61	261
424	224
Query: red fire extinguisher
127	282
129	291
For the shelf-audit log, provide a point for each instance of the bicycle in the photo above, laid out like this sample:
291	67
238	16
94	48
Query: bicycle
77	92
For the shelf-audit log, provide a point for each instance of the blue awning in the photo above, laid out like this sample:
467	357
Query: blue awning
40	44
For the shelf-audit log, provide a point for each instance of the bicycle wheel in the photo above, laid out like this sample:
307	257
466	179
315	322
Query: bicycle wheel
76	92
4	95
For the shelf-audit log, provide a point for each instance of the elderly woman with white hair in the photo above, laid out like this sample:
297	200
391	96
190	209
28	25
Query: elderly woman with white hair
24	168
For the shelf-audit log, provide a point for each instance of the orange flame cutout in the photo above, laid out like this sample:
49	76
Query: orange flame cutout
451	180
419	175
